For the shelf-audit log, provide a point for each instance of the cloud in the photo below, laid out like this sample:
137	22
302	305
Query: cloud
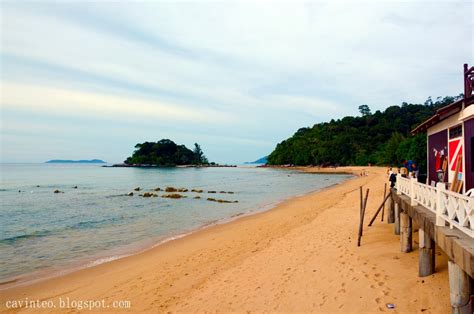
36	98
252	72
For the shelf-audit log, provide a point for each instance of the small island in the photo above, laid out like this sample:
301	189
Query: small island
166	153
66	161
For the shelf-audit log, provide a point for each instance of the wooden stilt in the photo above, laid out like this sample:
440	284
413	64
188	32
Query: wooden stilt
362	214
391	211
396	227
384	197
460	289
405	233
426	254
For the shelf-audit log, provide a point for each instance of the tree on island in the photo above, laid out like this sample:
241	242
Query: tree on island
166	153
200	159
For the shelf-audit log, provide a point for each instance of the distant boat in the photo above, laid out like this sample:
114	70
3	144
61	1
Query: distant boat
66	161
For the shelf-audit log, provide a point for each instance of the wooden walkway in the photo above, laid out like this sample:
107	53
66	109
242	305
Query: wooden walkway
458	246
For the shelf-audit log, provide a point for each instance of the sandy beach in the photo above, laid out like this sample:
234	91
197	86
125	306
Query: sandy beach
299	256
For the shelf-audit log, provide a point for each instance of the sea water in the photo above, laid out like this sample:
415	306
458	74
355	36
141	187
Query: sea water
44	231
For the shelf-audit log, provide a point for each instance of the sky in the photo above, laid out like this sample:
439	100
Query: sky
90	79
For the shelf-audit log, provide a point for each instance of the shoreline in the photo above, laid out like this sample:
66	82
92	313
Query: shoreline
141	247
292	257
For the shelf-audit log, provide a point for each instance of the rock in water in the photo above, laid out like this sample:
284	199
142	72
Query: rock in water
137	189
173	195
130	194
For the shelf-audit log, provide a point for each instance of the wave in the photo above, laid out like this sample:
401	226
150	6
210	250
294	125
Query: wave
82	225
33	235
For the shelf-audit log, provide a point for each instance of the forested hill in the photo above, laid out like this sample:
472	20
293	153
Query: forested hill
381	138
166	153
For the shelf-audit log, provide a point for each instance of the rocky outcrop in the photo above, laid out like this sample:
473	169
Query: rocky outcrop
220	201
173	195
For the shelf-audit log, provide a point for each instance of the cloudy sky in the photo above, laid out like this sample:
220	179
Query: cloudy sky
90	79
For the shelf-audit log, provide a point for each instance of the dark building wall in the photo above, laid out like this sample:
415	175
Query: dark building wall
438	141
468	147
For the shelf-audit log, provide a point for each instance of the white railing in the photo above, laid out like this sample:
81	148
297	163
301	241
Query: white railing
425	195
403	185
454	208
458	211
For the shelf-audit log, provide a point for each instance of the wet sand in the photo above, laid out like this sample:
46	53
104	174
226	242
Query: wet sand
300	256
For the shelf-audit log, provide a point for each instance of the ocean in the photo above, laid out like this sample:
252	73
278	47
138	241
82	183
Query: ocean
94	220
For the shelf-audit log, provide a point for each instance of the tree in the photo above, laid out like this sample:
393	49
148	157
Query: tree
365	110
199	157
165	153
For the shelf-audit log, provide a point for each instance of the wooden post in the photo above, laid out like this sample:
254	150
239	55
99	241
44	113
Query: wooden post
362	214
460	289
405	233
384	193
426	254
391	210
396	227
378	210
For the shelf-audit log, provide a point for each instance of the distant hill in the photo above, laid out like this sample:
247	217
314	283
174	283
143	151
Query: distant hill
262	160
381	138
66	161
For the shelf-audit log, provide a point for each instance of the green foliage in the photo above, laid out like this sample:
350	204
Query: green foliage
166	153
199	157
381	138
365	110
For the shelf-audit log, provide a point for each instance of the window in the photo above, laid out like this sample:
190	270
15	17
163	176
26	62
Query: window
455	132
